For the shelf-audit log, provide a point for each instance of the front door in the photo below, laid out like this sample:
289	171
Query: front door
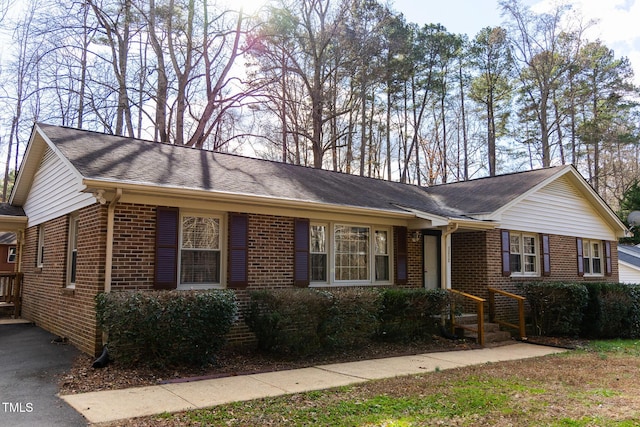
431	261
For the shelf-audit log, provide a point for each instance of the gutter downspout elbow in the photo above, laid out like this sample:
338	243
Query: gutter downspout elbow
108	262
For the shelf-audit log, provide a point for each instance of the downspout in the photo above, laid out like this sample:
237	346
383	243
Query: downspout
19	249
445	259
108	262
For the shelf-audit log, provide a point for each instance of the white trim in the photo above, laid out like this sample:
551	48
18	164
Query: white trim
331	255
221	249
72	246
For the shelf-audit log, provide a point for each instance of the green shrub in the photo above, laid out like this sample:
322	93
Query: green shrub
288	320
556	308
411	314
166	328
351	320
611	312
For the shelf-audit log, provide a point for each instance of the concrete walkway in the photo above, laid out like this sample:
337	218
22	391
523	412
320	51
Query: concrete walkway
106	406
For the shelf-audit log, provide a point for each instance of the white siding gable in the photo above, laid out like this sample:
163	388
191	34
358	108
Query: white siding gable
628	273
56	191
557	208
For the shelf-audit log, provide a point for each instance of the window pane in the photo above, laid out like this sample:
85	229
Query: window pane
515	244
529	264
515	263
352	252
529	245
382	267
74	263
595	251
199	266
319	267
200	232
597	266
318	239
381	242
586	263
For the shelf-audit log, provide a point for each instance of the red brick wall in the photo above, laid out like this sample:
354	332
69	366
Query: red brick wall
69	313
6	266
134	241
415	261
476	264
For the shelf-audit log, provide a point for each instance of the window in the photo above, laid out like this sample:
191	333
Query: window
351	253
356	253
40	252
72	256
11	256
523	254
382	255
318	251
200	255
592	257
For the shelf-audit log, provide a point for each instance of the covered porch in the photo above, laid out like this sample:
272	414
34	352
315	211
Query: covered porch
12	220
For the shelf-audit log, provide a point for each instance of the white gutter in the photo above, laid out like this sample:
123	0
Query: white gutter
108	262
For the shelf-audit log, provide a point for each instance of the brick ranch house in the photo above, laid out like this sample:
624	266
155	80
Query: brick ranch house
100	213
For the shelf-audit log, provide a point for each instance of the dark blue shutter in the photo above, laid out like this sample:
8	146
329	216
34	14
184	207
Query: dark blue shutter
301	255
607	253
580	256
546	256
401	258
238	251
166	268
506	252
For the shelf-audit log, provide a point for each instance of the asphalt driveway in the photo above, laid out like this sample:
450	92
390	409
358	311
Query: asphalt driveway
29	367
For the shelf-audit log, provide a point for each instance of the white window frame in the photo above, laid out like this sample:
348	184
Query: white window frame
520	251
40	250
221	247
371	248
72	250
12	254
588	260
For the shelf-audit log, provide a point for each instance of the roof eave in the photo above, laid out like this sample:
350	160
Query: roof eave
93	185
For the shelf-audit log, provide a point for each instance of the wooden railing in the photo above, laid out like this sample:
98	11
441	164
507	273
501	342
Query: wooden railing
492	311
480	312
11	292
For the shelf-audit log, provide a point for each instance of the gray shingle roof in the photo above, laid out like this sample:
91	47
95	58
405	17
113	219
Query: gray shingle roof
489	194
8	210
113	158
629	254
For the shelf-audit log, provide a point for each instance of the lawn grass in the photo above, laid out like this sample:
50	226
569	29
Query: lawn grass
596	387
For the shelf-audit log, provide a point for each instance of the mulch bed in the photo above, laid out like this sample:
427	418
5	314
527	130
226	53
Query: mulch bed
83	378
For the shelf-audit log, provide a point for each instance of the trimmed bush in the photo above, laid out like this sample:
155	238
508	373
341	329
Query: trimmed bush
610	312
288	320
166	328
351	320
557	309
411	314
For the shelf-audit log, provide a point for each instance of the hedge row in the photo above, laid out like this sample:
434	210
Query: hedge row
303	321
590	310
166	328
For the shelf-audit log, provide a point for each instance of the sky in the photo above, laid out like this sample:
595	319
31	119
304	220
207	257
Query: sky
618	23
